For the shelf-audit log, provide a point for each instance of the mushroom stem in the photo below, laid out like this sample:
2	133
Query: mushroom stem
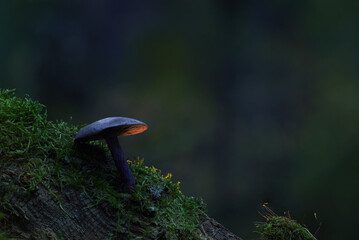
127	179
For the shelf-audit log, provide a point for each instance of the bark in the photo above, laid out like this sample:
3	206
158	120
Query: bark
40	215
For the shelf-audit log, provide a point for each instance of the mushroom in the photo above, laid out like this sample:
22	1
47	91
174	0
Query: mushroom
109	129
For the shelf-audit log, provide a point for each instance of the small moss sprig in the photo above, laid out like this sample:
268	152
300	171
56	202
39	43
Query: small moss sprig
280	227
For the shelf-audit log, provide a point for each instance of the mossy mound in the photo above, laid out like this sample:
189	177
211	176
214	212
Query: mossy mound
281	228
39	154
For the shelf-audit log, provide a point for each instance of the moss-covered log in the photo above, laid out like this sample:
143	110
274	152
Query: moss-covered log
51	188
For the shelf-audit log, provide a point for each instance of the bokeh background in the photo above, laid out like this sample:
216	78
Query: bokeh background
247	101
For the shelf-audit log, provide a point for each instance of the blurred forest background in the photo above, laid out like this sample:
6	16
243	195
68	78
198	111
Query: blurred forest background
247	101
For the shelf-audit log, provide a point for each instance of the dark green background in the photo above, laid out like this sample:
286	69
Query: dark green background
247	101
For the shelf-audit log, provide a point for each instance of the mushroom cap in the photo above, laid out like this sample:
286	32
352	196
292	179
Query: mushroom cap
121	126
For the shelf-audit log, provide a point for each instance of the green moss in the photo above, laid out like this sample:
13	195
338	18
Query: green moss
46	155
281	228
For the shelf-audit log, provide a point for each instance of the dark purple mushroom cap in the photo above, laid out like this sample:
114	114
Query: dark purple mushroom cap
121	126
